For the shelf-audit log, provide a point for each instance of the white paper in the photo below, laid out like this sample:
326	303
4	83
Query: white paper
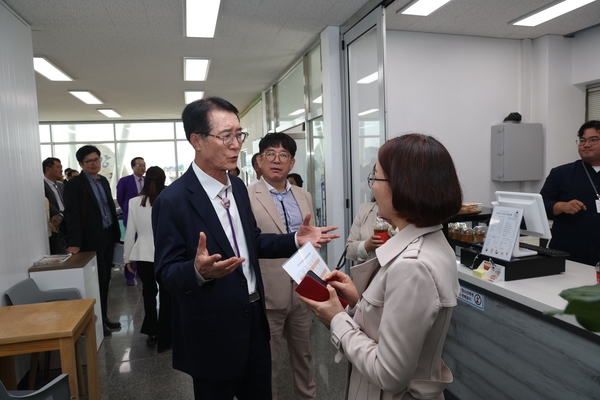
305	259
503	232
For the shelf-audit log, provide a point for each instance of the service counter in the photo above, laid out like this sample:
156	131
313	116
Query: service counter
500	345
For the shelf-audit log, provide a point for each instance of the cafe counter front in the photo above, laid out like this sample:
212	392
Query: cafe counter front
501	345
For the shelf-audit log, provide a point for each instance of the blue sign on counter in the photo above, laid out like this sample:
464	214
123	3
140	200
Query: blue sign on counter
472	298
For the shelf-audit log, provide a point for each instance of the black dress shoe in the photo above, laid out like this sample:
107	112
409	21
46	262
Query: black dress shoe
112	324
162	348
107	331
151	340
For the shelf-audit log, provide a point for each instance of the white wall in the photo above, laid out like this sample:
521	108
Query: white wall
23	235
456	87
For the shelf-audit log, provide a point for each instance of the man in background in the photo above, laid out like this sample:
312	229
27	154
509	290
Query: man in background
572	200
127	188
280	207
92	223
53	190
256	166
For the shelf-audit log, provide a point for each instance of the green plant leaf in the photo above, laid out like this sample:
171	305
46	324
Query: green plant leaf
584	303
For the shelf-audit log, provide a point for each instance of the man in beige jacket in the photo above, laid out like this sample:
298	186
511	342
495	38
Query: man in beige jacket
279	208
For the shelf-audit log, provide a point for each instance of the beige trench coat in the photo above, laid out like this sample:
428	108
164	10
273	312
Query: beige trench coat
394	341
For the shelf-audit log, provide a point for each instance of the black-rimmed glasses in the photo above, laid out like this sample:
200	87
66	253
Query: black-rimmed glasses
228	139
372	178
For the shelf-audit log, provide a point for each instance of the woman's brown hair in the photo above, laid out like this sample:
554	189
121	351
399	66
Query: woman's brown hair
425	187
154	183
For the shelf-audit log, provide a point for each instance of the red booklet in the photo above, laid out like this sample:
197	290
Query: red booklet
314	288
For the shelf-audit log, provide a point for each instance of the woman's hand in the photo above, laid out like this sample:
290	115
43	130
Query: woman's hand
343	285
130	268
372	243
325	310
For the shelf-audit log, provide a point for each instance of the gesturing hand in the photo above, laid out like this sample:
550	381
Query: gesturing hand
314	234
209	266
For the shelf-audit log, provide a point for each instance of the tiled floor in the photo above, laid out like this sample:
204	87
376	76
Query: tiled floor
131	370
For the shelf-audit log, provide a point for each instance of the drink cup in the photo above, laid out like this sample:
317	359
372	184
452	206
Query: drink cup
383	235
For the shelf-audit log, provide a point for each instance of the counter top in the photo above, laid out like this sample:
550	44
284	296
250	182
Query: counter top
78	260
540	294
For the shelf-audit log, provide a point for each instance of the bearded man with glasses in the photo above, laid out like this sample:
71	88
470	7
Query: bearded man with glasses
92	223
572	198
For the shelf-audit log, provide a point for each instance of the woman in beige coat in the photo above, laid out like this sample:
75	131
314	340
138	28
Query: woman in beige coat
400	303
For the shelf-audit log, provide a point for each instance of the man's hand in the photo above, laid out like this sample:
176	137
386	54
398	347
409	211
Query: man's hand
316	235
209	266
73	250
56	220
325	310
569	207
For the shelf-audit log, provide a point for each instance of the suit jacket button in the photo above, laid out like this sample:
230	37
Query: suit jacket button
243	282
246	313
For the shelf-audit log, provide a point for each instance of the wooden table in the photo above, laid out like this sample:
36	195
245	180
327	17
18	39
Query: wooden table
39	327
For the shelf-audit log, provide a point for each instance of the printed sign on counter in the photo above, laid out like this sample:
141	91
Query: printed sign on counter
472	298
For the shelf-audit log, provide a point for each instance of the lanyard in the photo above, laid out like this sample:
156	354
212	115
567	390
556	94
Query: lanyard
590	178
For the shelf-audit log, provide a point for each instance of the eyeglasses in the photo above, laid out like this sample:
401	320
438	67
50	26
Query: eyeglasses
283	157
92	161
592	141
372	178
228	139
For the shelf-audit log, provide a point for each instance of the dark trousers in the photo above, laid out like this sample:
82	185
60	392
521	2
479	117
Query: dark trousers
56	244
105	248
155	324
256	382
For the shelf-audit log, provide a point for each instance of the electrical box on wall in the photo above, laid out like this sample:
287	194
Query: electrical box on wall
517	152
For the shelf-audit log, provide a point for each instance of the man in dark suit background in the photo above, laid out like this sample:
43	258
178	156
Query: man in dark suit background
207	247
92	223
127	188
53	190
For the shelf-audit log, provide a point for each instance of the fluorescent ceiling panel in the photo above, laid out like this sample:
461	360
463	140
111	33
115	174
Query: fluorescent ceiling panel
109	112
193	95
85	96
297	112
369	78
46	68
424	7
552	12
371	111
195	69
201	18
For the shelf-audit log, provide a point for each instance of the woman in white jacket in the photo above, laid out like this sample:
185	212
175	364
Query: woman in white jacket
400	303
139	247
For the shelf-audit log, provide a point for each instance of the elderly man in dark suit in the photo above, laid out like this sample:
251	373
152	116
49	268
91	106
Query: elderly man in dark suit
207	247
92	223
53	190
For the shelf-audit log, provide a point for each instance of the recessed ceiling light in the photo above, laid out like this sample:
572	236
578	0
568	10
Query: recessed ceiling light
297	112
549	12
195	69
369	78
46	68
423	7
318	100
372	110
109	112
193	95
85	96
201	18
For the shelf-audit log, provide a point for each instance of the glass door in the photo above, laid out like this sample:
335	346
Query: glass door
364	58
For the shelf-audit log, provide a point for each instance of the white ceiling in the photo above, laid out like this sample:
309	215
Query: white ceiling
129	53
